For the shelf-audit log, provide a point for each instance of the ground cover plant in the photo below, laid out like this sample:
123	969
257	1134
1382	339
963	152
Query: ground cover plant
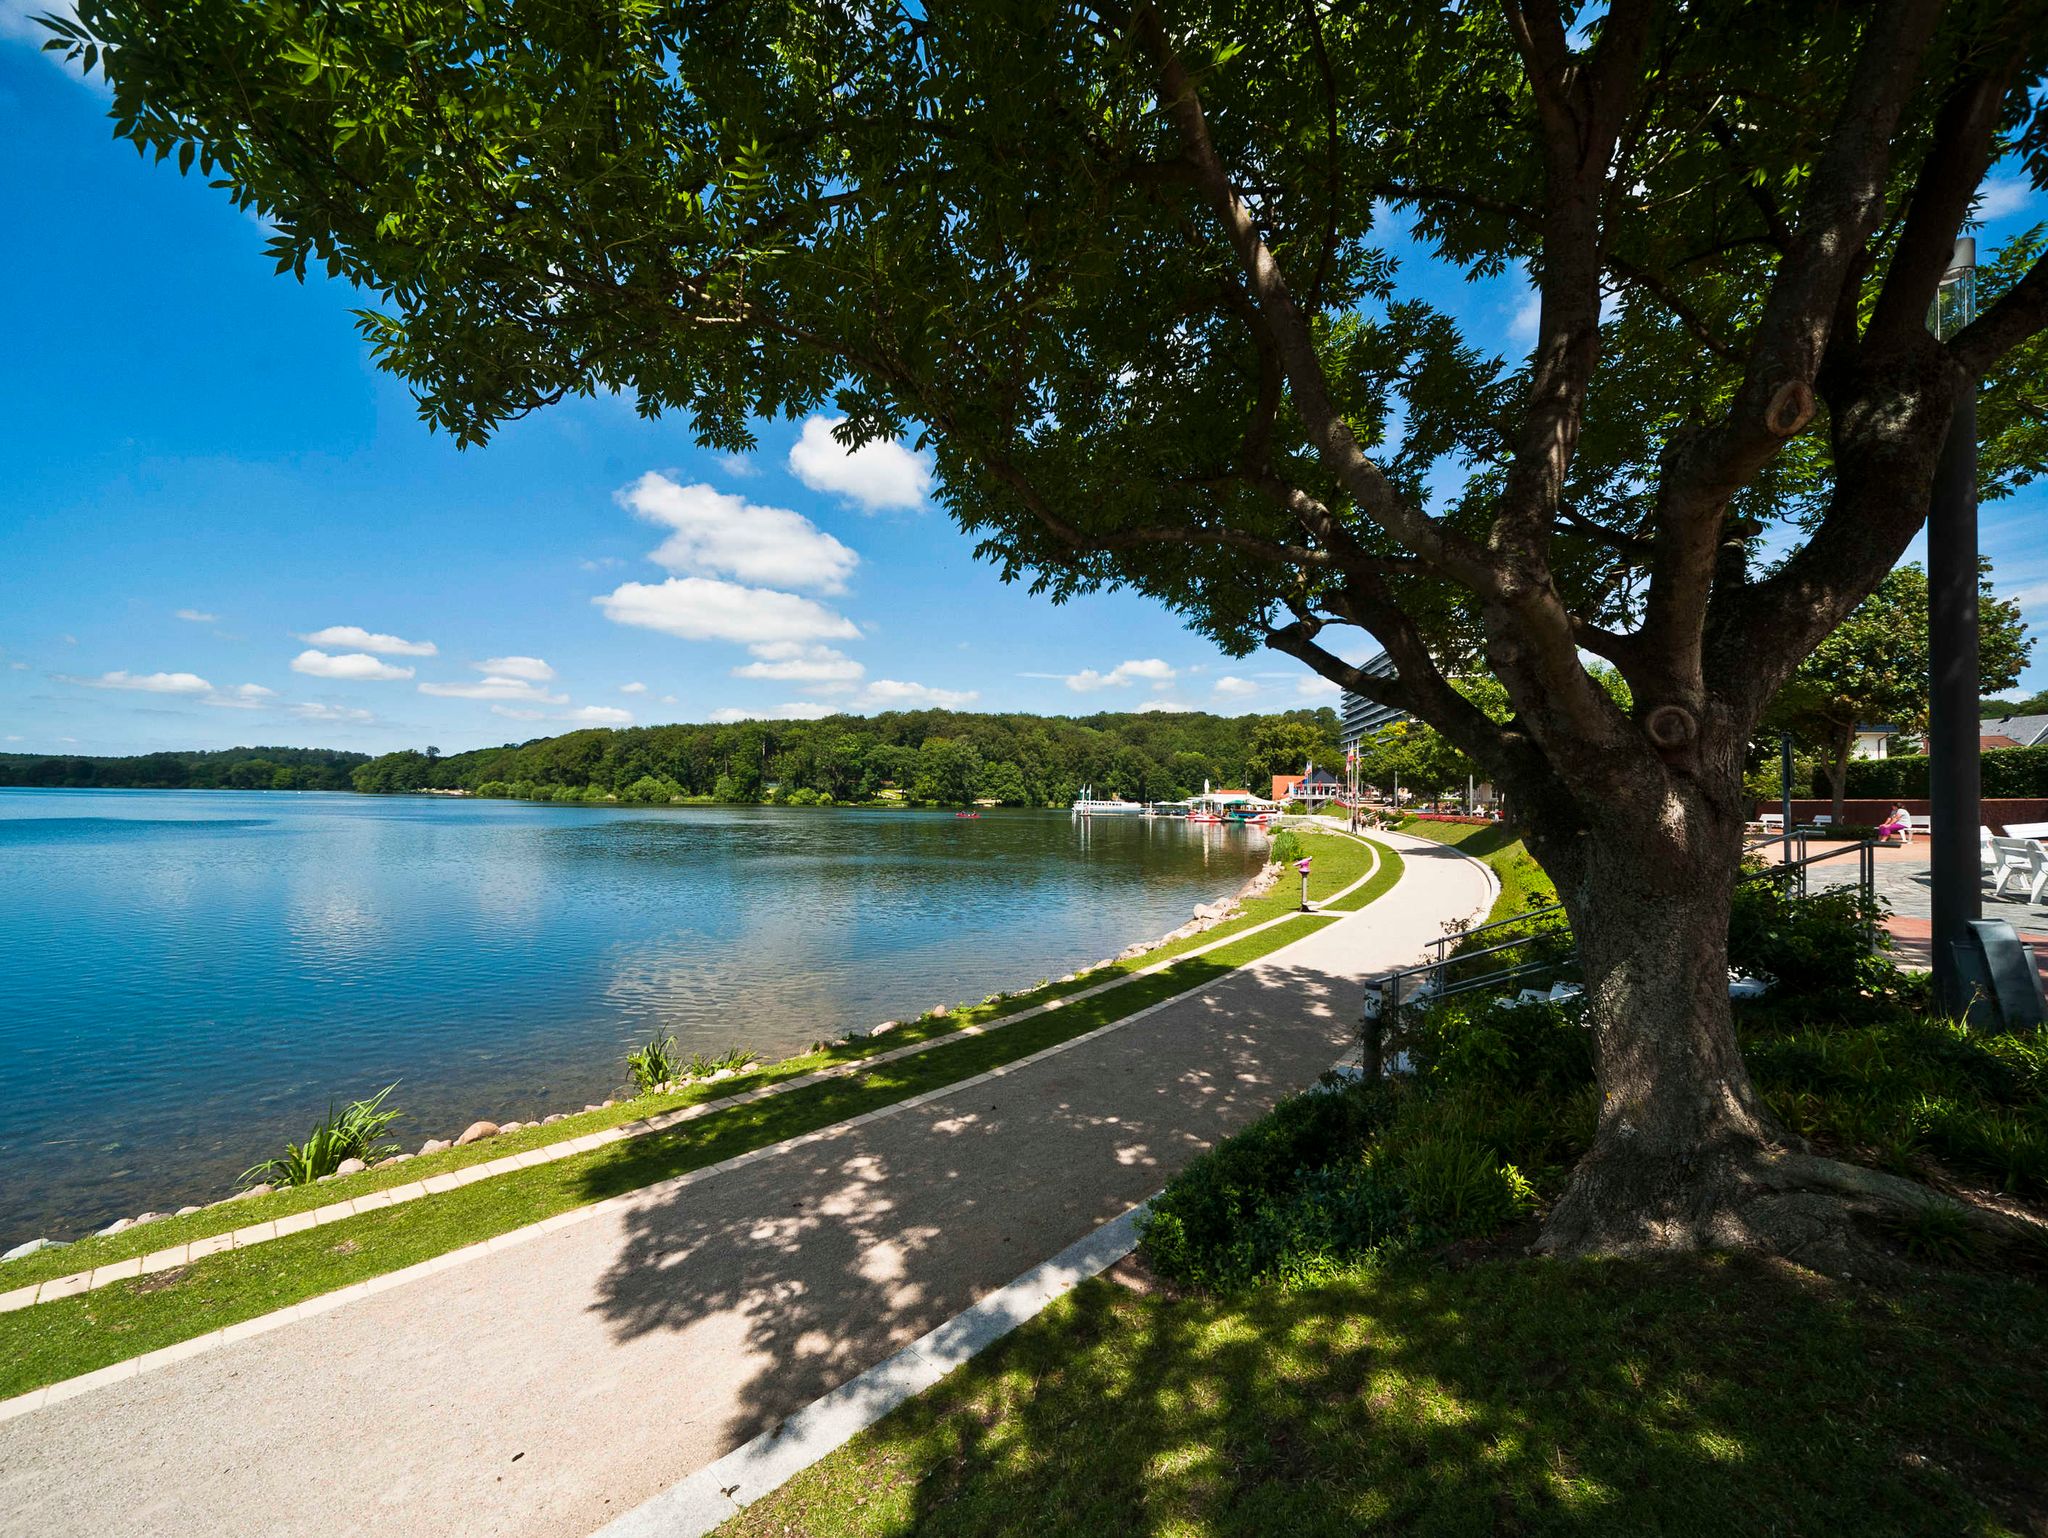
65	1337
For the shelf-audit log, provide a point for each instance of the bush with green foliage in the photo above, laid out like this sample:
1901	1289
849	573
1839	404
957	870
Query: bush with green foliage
1501	1101
2019	772
355	1132
1286	847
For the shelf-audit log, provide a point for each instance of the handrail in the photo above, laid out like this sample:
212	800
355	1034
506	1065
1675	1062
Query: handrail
1386	996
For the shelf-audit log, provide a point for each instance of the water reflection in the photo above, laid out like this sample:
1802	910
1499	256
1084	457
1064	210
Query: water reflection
187	977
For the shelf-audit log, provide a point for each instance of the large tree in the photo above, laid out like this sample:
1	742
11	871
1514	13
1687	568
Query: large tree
1161	288
1873	669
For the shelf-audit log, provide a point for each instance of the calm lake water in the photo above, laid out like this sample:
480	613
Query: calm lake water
188	977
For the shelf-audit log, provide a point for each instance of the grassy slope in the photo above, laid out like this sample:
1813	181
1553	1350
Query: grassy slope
1339	862
62	1339
1523	885
1703	1396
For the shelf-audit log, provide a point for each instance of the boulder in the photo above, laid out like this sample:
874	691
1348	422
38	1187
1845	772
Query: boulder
33	1247
593	1107
148	1217
723	1073
938	1011
608	1105
350	1167
476	1132
260	1190
397	1158
182	1211
513	1126
434	1145
549	1121
119	1225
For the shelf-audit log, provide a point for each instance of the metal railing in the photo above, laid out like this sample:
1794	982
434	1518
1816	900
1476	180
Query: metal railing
1431	980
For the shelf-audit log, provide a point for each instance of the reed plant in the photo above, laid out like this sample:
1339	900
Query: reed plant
656	1061
355	1132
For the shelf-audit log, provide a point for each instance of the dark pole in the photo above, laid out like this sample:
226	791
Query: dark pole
1785	789
1954	771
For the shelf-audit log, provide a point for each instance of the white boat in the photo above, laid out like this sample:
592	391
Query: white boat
1089	805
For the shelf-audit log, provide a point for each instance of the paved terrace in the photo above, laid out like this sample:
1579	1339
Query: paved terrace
545	1387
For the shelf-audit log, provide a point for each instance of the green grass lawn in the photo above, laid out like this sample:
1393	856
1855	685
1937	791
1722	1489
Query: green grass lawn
1523	885
69	1336
1702	1396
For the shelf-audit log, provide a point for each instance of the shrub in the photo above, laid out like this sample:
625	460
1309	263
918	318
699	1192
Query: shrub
701	1067
357	1132
1272	1198
1456	1189
1816	944
1286	847
1475	1042
657	1061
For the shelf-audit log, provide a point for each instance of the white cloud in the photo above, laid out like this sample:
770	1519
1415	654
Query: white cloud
14	737
313	711
793	662
1315	686
668	699
518	715
242	697
633	688
879	475
1235	688
2001	196
705	609
519	690
1527	316
793	710
148	683
530	668
370	641
356	667
1124	674
739	466
718	534
895	694
17	667
198	617
1147	706
599	715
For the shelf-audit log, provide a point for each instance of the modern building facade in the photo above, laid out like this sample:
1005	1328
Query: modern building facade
1358	716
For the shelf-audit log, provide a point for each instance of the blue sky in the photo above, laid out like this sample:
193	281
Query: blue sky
221	525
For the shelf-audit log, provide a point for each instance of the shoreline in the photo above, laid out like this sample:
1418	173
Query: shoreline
1206	916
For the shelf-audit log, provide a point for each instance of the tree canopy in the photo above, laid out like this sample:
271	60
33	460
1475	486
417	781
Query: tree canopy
1138	279
1873	670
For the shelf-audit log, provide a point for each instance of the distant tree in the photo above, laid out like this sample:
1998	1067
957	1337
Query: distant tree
1873	670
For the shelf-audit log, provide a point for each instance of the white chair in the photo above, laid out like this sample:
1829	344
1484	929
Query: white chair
1919	827
1774	821
2026	830
2022	860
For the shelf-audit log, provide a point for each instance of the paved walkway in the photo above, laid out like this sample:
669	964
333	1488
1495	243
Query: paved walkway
544	1389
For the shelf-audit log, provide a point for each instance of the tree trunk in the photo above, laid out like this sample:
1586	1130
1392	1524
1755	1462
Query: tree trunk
1838	769
1682	1156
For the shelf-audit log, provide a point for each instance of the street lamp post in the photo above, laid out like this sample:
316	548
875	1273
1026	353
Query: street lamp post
1954	770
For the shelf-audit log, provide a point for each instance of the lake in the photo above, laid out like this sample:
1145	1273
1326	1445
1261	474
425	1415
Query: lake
187	978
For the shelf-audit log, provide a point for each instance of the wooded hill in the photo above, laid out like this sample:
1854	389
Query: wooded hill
925	755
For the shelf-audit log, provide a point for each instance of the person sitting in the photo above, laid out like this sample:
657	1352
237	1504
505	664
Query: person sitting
1898	825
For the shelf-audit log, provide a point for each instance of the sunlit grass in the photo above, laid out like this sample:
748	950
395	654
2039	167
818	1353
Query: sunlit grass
1704	1396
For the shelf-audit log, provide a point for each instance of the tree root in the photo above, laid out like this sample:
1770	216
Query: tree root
1794	1206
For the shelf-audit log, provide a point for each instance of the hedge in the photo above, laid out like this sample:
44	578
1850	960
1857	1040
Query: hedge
2007	772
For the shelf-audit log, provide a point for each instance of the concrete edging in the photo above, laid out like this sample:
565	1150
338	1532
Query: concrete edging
700	1501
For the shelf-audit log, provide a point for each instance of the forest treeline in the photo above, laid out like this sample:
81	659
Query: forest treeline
937	756
216	769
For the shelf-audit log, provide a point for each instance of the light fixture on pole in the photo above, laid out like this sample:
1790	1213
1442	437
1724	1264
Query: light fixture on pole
1954	772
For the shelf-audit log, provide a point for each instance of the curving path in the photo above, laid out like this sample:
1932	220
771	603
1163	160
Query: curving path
552	1386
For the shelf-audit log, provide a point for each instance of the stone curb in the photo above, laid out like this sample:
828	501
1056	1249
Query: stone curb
53	1288
699	1502
69	1388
